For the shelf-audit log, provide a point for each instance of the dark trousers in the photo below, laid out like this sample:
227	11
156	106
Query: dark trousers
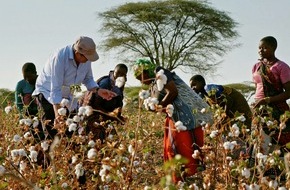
47	117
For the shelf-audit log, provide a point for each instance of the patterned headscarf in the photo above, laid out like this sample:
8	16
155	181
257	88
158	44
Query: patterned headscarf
144	64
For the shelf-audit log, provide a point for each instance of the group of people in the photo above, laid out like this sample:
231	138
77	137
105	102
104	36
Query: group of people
65	68
183	126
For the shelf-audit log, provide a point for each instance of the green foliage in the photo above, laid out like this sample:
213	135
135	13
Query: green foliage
172	33
6	97
243	88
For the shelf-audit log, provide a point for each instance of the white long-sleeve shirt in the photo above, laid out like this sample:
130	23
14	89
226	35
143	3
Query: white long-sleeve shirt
60	73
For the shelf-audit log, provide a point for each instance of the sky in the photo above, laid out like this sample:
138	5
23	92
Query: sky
31	30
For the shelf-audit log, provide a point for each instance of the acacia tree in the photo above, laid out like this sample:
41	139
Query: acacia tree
184	34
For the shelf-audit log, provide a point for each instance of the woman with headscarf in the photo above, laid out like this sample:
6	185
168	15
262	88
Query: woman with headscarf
183	132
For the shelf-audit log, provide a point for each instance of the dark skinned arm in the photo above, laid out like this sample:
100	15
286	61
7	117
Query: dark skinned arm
278	98
171	93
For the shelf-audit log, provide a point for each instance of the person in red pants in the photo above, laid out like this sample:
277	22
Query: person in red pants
183	124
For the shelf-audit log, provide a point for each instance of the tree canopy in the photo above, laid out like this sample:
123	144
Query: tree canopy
184	34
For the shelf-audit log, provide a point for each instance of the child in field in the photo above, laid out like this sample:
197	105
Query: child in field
24	88
115	82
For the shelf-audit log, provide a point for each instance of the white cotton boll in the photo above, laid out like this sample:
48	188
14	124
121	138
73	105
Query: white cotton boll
22	166
2	170
17	138
72	127
151	106
22	152
179	126
14	154
145	103
35	122
169	110
79	170
273	184
161	76
154	101
69	121
131	149
203	110
147	188
44	145
76	118
92	153
8	109
64	103
120	82
82	110
27	135
27	122
91	143
136	163
78	95
64	185
144	94
89	111
160	84
235	127
61	111
237	133
282	188
31	148
231	164
213	134
196	154
194	187
270	123
161	80
33	156
246	173
241	118
22	121
74	159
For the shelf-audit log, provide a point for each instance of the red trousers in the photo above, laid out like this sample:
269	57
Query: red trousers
182	142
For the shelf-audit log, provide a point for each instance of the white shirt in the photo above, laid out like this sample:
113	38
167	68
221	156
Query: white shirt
60	73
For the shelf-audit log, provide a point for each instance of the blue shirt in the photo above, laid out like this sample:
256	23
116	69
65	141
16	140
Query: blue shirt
214	90
60	73
22	88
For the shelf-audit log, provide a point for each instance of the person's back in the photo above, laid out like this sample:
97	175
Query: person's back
235	101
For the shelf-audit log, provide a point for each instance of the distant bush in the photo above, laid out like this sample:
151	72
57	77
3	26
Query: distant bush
6	97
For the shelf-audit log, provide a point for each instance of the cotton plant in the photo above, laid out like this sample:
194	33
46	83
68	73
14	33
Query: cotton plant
64	103
150	103
169	110
25	121
8	109
85	111
62	111
18	153
79	170
161	80
179	126
35	122
44	145
72	127
144	94
17	138
92	153
120	81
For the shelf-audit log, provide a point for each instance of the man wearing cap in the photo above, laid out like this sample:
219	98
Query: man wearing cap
66	67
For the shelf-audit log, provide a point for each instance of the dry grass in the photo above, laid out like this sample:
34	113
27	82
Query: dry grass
132	158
